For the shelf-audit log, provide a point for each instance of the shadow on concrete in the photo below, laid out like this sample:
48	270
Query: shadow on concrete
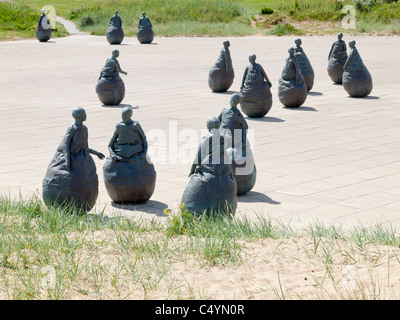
225	92
48	41
266	119
315	93
121	105
151	206
253	196
301	108
366	98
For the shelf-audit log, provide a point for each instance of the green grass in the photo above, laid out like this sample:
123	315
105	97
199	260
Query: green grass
20	21
210	17
92	256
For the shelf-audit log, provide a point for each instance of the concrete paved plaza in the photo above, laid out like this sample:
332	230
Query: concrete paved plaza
335	160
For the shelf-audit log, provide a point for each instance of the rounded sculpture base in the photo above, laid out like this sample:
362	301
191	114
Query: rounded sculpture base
220	81
43	35
115	35
145	35
290	95
126	183
62	190
245	182
110	91
357	84
210	194
309	80
256	109
335	70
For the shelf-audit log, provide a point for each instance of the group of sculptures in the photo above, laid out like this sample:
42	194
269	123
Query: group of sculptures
224	166
71	179
114	34
296	80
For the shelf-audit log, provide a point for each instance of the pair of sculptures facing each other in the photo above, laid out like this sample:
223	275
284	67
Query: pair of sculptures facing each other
115	33
349	70
224	166
71	179
43	29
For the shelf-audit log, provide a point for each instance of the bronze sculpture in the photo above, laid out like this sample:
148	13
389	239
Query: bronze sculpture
292	89
71	179
115	33
305	66
110	88
336	59
234	130
145	33
128	175
221	74
356	79
255	90
212	188
43	29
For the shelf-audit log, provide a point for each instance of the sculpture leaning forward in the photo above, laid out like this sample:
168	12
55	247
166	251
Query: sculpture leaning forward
357	80
212	188
221	74
292	89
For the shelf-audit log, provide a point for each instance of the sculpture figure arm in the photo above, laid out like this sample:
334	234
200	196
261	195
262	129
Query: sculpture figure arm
244	77
111	146
264	74
119	68
330	52
96	153
144	140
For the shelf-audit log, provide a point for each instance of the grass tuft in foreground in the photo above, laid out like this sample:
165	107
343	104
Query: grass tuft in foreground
49	253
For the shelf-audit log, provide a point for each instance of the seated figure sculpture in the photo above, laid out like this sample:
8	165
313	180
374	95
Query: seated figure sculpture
43	29
110	88
212	187
221	74
305	66
234	129
145	33
128	176
255	90
115	33
292	89
356	79
336	59
71	179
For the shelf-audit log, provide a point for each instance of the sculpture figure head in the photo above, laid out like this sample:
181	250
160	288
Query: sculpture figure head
115	53
127	113
298	42
291	51
226	44
213	124
116	12
352	43
252	58
340	36
79	114
143	14
235	99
